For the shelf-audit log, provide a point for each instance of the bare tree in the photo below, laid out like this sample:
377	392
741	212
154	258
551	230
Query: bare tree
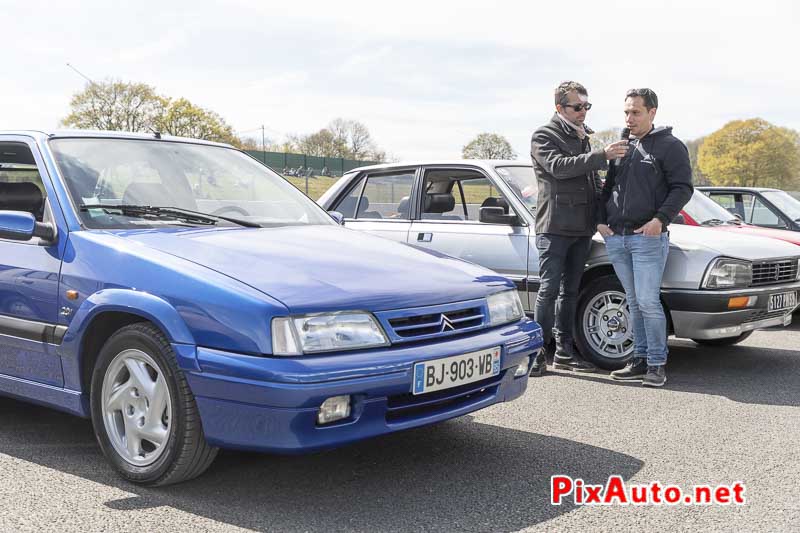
355	137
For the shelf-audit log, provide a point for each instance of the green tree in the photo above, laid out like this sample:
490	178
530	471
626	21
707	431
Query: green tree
751	153
122	106
601	139
323	144
184	119
114	105
698	178
488	146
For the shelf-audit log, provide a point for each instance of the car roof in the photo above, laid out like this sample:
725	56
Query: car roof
95	134
486	164
732	189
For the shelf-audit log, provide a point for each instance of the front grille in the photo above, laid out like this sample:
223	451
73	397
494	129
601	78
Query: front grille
407	407
774	272
426	323
434	323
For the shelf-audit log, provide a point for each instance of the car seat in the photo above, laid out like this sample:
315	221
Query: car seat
22	196
436	204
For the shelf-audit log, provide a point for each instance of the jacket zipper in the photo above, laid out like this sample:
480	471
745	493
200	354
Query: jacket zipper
625	195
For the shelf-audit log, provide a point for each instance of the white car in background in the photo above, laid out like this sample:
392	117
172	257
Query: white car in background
717	287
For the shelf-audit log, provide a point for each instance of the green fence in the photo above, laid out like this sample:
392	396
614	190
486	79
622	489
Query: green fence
296	164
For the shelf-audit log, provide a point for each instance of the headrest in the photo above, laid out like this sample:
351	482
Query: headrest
403	206
439	202
493	201
23	196
144	193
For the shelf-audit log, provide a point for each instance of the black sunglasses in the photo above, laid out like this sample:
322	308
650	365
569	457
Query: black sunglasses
579	107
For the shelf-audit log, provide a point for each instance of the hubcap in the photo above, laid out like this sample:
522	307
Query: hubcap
607	325
137	409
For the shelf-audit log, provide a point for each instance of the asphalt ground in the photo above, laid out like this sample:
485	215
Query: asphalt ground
726	415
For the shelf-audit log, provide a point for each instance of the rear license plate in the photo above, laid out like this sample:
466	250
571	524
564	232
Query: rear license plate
440	374
783	300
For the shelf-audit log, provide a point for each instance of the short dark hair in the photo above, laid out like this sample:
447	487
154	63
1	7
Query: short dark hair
566	87
648	95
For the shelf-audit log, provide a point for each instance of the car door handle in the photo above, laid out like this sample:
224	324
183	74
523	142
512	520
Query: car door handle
424	237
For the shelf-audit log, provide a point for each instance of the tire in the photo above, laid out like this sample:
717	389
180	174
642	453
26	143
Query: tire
144	414
602	330
725	341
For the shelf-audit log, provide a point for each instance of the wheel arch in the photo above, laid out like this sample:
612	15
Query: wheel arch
100	316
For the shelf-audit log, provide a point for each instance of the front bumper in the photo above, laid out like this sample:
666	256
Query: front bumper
271	403
703	314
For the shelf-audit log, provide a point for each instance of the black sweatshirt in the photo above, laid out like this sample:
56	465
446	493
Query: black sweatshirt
653	180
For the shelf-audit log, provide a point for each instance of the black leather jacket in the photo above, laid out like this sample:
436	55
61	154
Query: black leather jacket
569	187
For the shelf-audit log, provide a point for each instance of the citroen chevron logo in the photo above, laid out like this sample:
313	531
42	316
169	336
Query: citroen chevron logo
446	324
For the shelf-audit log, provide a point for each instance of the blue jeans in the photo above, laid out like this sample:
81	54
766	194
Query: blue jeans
639	262
561	263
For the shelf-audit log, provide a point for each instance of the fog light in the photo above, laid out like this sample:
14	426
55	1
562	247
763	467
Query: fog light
741	302
523	368
333	409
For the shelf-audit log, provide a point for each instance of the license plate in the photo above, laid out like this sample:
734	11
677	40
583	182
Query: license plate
783	300
440	374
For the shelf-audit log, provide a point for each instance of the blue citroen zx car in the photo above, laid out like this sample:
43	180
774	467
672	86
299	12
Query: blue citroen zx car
187	298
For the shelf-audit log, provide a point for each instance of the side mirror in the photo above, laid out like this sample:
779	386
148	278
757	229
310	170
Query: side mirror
679	219
22	226
496	215
337	216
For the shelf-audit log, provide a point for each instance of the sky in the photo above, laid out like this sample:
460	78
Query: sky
424	76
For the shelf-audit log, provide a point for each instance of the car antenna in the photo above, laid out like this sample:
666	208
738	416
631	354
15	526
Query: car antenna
156	133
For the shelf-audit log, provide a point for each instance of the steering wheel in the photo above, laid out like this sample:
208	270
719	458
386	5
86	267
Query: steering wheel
233	209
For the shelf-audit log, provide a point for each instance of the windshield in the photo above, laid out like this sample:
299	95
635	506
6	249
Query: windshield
200	178
522	181
704	209
785	202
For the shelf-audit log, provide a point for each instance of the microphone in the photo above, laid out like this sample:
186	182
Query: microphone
626	132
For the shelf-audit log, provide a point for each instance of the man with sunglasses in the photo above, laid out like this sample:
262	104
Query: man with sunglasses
569	187
640	197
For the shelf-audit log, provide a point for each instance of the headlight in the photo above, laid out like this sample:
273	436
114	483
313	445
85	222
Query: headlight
325	333
504	307
728	273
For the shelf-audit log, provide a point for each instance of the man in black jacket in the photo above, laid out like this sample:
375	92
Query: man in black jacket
641	196
566	170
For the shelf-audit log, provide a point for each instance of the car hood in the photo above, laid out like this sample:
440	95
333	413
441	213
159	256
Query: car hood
324	268
730	244
780	234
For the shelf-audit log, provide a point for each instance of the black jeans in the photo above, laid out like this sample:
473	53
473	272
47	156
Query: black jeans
561	264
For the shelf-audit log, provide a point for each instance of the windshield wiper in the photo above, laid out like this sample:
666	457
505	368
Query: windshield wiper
187	215
712	222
